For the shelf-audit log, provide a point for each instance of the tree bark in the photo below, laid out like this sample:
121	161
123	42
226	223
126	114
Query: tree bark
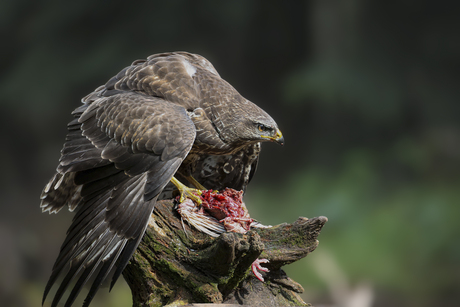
176	267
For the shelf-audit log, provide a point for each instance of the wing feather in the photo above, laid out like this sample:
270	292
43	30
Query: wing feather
109	158
55	196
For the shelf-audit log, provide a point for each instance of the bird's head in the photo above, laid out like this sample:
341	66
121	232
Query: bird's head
266	132
249	123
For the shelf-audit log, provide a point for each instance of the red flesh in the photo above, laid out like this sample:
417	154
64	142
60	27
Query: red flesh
228	208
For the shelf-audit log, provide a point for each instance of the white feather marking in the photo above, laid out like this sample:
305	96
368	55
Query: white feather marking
58	184
48	186
75	196
110	253
189	68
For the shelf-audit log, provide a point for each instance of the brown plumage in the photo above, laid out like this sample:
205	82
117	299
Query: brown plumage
169	115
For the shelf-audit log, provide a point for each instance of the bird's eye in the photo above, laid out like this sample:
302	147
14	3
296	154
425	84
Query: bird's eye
261	127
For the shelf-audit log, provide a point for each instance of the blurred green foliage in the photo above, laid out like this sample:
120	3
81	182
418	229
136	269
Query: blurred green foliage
366	94
398	236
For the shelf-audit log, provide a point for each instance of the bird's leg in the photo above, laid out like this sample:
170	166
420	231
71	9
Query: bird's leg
186	192
195	183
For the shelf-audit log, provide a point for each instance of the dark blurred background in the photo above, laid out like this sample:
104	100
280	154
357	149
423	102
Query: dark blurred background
365	92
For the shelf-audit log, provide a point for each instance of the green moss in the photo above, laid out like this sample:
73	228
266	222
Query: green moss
154	302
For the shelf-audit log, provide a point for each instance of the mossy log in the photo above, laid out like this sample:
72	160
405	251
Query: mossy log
177	265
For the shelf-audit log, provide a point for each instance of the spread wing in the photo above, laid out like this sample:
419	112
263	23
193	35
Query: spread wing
121	150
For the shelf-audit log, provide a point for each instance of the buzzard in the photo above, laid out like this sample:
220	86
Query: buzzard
168	122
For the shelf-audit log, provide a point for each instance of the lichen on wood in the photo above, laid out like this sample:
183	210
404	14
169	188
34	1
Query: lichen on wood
177	265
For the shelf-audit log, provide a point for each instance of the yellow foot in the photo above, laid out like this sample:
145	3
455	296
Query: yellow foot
186	192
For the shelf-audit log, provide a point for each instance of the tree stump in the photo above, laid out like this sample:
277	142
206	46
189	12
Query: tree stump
177	265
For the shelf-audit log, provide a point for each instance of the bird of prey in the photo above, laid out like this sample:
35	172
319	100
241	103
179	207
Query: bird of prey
168	119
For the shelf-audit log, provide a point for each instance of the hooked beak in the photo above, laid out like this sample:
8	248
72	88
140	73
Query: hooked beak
278	138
